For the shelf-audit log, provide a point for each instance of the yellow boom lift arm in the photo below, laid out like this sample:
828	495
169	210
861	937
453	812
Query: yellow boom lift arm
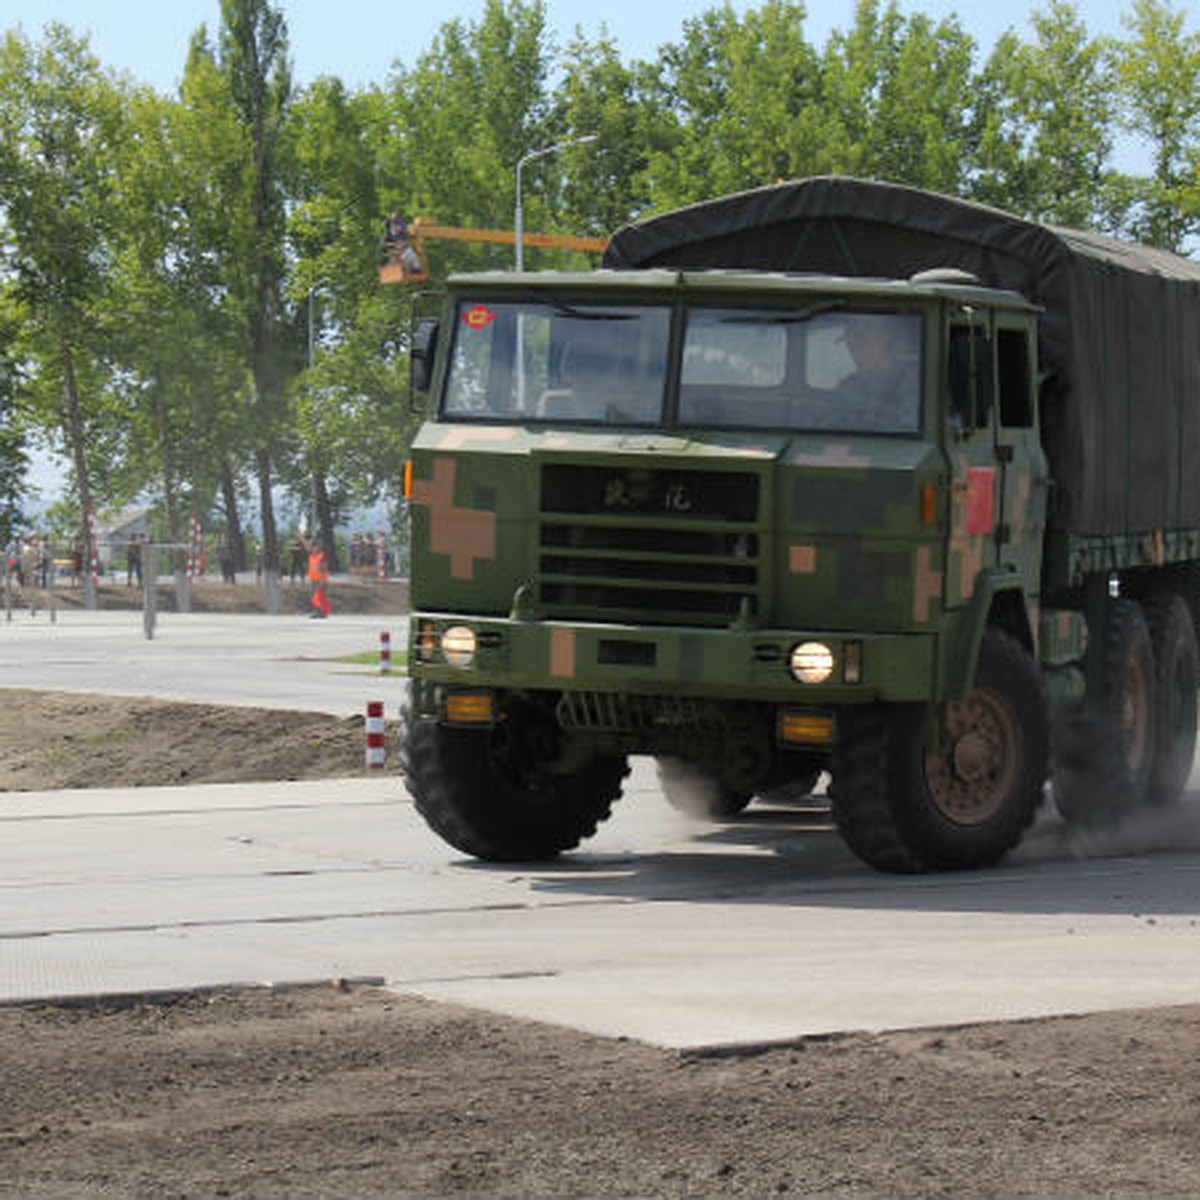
404	259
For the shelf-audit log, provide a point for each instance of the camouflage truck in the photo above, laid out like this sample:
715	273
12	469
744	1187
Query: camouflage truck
679	507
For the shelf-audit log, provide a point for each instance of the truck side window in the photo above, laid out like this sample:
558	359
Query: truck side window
970	377
1016	387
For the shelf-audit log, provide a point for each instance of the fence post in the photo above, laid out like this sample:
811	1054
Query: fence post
149	588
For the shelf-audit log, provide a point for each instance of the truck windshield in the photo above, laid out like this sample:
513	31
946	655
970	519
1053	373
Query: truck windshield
557	361
827	368
553	360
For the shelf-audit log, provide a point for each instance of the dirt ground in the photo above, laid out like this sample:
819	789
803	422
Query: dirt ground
357	1092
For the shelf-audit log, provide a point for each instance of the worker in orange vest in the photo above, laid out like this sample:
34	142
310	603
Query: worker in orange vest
318	575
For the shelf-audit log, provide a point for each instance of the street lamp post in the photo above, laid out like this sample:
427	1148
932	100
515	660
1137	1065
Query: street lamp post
519	217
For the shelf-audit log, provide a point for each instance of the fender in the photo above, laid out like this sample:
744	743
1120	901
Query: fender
998	600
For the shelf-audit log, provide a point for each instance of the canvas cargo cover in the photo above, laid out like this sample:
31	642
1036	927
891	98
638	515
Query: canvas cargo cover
1120	337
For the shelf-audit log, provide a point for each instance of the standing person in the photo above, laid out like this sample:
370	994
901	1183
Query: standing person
299	550
318	575
133	561
225	557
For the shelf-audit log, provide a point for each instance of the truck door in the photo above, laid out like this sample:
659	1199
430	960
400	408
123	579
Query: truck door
1021	516
976	477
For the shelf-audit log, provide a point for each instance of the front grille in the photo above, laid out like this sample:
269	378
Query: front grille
662	546
617	712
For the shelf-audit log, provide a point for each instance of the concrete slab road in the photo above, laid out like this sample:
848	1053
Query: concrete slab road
676	933
216	658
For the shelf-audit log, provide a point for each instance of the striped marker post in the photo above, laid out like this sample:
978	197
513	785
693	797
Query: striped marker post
375	740
385	652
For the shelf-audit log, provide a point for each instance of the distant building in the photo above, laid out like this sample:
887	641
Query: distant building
114	533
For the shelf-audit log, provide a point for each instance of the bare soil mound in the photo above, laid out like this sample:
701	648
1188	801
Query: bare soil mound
51	740
329	1092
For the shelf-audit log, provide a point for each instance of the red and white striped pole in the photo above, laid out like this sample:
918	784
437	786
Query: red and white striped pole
385	652
196	549
376	749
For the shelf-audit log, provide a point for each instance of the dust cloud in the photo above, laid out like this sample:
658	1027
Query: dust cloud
1151	829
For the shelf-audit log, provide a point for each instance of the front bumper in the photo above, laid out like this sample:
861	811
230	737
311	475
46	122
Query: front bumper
715	664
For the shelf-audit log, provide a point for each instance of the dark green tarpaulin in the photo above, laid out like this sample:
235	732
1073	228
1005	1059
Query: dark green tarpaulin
1120	343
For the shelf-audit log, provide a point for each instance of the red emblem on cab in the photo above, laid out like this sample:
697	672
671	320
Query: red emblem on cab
478	316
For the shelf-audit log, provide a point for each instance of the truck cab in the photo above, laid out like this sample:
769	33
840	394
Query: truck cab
757	525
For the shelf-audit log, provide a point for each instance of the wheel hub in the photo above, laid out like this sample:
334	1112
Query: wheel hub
972	756
971	772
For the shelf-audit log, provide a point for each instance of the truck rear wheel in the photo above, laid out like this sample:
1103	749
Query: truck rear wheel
1104	759
1173	635
912	794
472	794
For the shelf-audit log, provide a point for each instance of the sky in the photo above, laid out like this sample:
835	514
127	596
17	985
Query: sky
360	40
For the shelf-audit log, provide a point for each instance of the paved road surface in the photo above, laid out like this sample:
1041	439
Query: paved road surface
277	662
677	933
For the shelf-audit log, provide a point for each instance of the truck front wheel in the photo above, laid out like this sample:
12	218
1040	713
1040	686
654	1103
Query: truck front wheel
912	793
471	793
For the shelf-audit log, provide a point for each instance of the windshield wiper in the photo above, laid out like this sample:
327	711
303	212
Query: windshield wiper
784	318
563	309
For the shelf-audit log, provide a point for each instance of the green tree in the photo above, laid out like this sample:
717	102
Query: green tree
737	91
349	429
253	60
754	102
14	458
213	272
597	95
921	127
1044	122
461	119
1157	68
59	115
160	318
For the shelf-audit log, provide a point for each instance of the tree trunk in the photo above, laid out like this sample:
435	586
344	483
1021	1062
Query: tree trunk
233	520
76	444
162	428
266	504
325	519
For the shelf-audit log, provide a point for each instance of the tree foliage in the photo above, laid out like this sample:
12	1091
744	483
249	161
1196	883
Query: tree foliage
189	305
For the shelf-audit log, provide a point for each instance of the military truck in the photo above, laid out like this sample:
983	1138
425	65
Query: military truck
831	476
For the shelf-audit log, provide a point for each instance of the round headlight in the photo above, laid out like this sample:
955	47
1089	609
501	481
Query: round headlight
458	646
812	662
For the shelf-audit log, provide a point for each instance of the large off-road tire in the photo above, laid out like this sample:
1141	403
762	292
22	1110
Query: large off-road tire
691	790
1104	758
917	794
471	795
1176	671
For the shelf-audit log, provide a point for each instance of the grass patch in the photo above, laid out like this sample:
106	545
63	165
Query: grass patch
370	658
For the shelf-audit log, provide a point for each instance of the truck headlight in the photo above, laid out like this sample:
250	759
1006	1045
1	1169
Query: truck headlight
811	662
458	646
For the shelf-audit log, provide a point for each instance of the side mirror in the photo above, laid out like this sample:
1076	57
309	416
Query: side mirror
424	346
